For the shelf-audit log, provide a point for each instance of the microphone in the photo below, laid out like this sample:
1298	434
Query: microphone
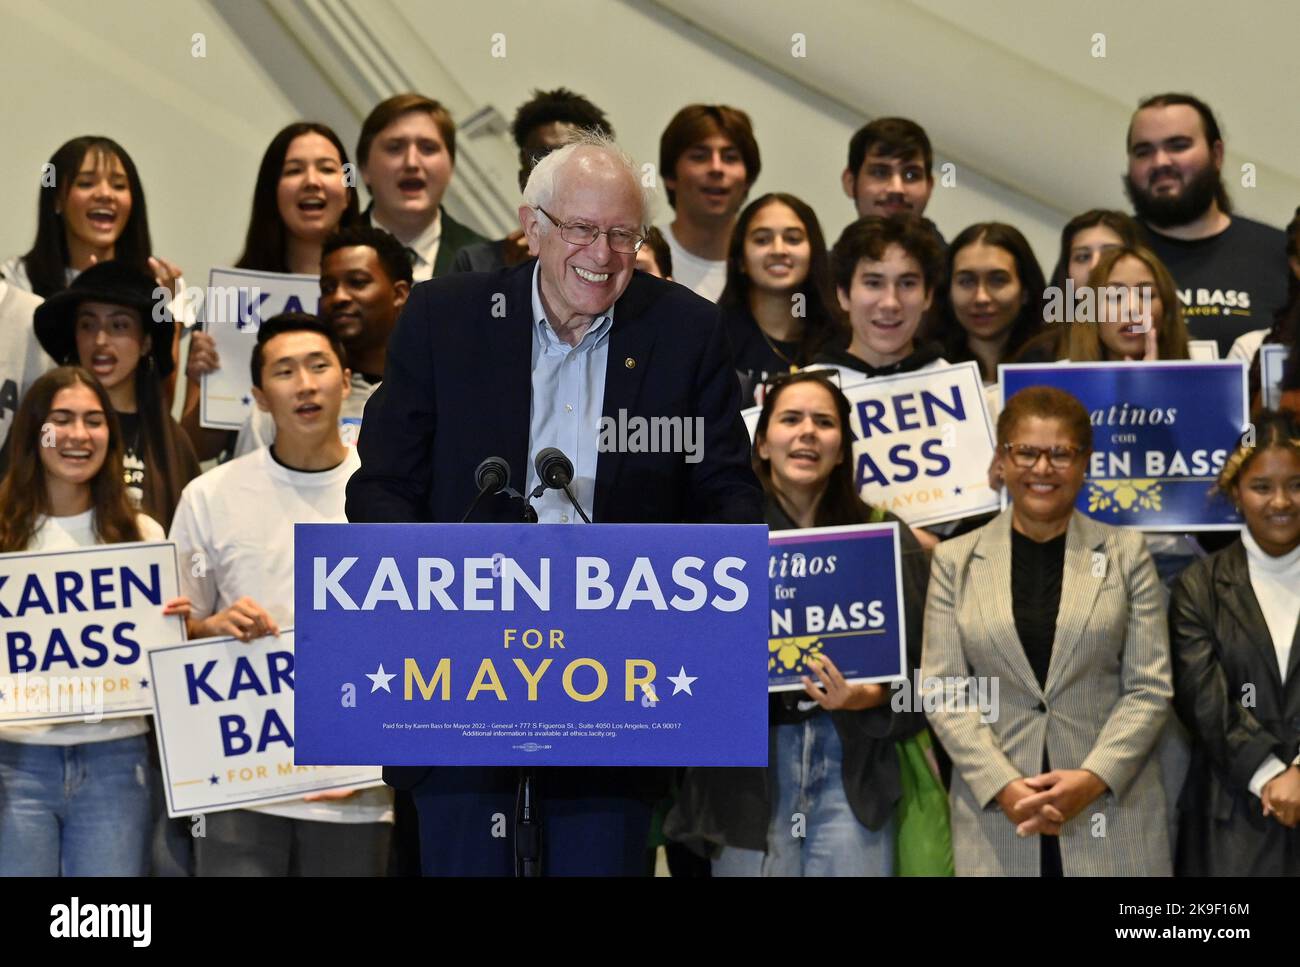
491	477
554	468
556	473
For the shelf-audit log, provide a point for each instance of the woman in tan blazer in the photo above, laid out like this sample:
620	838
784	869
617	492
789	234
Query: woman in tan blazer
1064	617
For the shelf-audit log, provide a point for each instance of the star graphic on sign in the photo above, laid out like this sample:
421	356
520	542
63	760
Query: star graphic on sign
682	682
213	780
957	491
245	400
380	679
144	683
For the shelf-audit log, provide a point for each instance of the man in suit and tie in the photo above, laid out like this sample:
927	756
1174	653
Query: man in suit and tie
406	154
508	363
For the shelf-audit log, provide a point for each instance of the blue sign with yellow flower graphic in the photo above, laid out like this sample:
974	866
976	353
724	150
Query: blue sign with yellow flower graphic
835	592
1160	434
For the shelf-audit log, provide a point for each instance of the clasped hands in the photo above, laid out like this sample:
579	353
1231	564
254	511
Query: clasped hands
1042	804
1281	798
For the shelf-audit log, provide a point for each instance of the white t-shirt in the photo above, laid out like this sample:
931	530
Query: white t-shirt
68	534
239	517
702	276
21	358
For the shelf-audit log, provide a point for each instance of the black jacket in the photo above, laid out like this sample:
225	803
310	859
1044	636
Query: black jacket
733	807
457	388
1222	654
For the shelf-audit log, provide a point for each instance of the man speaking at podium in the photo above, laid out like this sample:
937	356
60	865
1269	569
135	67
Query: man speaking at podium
547	355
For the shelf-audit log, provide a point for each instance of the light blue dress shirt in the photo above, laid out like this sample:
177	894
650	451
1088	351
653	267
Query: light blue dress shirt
568	397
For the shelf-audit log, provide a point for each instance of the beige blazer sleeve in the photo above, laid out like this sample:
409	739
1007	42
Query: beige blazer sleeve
1130	731
946	686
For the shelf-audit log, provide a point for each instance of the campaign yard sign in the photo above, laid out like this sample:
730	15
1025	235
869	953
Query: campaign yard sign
224	715
531	644
237	302
922	443
836	592
1160	434
77	626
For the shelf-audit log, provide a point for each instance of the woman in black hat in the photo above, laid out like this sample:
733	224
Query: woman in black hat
108	322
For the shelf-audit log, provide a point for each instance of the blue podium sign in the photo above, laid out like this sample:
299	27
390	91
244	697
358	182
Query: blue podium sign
838	592
1160	434
530	644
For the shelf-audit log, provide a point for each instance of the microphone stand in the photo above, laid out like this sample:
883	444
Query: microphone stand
528	817
528	820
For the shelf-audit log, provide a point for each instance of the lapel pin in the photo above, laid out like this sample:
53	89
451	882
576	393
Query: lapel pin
630	363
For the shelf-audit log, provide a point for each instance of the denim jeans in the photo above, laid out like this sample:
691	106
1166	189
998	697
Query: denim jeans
813	831
75	810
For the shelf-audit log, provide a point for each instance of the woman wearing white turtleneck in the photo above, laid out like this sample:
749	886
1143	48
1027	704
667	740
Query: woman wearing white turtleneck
1235	631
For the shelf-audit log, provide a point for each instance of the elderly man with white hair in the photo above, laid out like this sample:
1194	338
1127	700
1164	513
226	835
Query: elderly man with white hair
510	362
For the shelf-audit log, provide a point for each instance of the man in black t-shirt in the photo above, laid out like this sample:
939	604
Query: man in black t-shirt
1230	271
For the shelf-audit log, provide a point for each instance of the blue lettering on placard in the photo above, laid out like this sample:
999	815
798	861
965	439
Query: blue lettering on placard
152	591
235	739
279	676
872	413
901	461
99	649
33	597
69	585
942	463
132	646
58	649
19	646
250	313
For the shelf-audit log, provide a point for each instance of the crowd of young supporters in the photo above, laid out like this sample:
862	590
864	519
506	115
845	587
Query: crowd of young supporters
1098	669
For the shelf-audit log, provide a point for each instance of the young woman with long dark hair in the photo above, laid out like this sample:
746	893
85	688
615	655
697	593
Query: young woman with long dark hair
302	194
75	796
778	304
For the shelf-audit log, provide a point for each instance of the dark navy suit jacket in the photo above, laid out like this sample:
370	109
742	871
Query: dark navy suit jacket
457	388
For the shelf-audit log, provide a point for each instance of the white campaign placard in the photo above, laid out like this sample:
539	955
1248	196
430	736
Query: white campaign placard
923	443
223	711
77	626
1203	350
1272	358
237	301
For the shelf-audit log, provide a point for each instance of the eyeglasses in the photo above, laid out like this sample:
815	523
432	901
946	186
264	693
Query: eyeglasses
1026	457
584	233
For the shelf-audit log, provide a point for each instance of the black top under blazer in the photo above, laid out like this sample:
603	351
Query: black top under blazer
1221	643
